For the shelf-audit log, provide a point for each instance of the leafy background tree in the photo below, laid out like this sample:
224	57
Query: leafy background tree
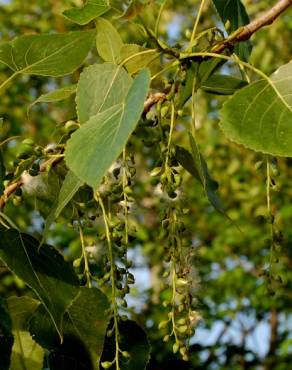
242	296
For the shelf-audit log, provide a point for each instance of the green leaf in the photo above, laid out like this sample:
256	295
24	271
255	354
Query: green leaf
108	41
6	337
233	11
201	72
196	165
259	116
56	95
100	87
134	340
21	310
84	331
137	61
47	55
186	160
222	84
69	188
94	147
43	269
91	10
26	353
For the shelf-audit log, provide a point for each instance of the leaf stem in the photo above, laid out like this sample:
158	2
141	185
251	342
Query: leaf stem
159	18
84	253
198	17
172	119
270	216
112	274
6	82
240	62
126	212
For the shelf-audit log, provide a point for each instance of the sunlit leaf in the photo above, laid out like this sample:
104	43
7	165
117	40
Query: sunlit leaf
56	95
100	87
47	55
43	269
91	10
93	148
259	116
136	60
108	41
26	353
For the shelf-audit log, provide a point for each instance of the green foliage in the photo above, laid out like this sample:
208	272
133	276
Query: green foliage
108	41
91	10
57	95
84	329
47	55
100	87
259	116
98	191
234	16
21	253
25	352
94	147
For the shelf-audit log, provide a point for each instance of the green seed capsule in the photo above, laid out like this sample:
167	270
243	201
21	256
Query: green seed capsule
183	351
77	262
182	329
175	347
163	324
166	338
126	354
106	364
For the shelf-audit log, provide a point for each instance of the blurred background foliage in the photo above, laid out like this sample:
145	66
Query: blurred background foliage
246	317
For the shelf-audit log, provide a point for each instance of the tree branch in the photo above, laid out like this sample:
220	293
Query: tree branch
244	33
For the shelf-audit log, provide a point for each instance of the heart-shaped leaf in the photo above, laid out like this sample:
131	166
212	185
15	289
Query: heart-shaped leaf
91	10
84	332
259	116
100	86
93	148
47	55
43	269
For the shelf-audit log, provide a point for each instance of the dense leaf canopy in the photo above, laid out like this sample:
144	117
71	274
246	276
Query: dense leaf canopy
145	185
